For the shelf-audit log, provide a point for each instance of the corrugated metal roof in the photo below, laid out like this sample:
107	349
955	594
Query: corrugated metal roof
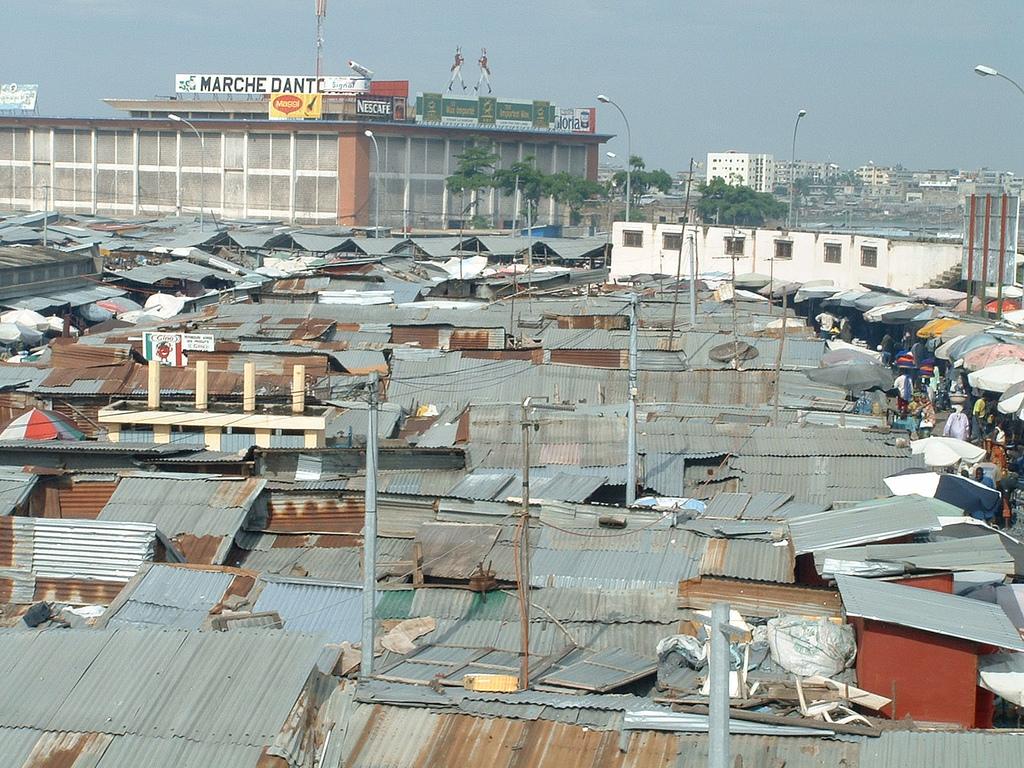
341	565
359	361
928	610
978	553
76	297
483	486
755	560
179	270
215	687
14	489
77	549
333	610
938	749
184	506
602	671
872	521
172	598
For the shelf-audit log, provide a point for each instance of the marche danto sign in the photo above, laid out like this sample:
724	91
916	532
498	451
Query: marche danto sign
170	348
269	84
296	106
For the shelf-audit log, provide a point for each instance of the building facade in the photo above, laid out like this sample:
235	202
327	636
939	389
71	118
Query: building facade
848	259
321	172
744	168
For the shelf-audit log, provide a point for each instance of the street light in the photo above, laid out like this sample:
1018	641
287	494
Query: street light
792	169
984	71
629	149
202	166
376	183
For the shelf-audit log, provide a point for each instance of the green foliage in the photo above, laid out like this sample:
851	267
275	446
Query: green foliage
642	181
728	204
475	169
527	178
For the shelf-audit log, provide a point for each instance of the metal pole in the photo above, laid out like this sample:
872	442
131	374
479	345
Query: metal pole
679	266
778	363
376	183
718	706
629	153
524	556
693	280
792	170
1002	256
984	255
370	535
46	216
631	410
972	212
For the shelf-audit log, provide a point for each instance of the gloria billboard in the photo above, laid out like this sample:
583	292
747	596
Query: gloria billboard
295	106
18	96
489	112
268	84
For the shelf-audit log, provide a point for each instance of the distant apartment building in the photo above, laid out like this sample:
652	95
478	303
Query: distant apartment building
743	168
872	175
816	172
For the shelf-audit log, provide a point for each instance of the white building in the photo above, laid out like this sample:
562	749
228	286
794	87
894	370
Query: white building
850	260
743	168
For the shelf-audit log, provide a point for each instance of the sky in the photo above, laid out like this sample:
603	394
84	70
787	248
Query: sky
888	81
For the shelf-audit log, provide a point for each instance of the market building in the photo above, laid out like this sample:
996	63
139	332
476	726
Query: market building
240	163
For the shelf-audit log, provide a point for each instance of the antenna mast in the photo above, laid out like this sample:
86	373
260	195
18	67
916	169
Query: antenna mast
321	14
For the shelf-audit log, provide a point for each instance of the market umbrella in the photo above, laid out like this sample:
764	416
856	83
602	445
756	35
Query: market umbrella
944	297
9	333
753	281
94	314
843	298
975	305
164	305
962	492
29	334
1016	317
958	349
836	344
935	327
945	451
982	357
850	356
1003	674
1012	400
38	424
118	304
964	328
25	318
997	378
1009	305
815	289
873	299
855	378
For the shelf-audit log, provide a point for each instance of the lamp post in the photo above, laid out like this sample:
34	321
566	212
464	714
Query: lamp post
376	183
202	167
792	168
985	71
629	150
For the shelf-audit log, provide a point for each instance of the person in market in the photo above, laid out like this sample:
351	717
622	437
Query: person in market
846	330
887	346
826	322
904	387
957	425
995	444
978	417
927	413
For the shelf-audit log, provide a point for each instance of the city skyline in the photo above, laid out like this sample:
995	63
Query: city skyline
893	85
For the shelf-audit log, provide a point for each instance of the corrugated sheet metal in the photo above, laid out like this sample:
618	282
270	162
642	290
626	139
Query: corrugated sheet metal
15	488
874	521
477	338
483	486
938	612
315	513
76	549
755	560
84	499
360	361
910	749
172	598
603	671
217	687
752	599
206	514
333	610
343	564
453	550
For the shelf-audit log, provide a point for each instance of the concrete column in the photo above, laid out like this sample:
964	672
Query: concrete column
114	433
298	389
312	438
263	438
202	385
162	433
249	387
212	437
153	389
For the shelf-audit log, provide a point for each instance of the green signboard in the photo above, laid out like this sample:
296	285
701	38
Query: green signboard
487	112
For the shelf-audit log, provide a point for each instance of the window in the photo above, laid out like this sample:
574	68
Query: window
632	238
833	253
734	246
671	242
784	249
868	256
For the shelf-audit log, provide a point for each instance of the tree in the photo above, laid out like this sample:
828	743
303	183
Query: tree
524	176
728	204
474	172
642	181
573	191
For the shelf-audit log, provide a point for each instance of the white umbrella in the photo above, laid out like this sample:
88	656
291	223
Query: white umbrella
1015	316
919	483
9	333
997	378
1003	674
1012	400
26	318
945	451
164	305
834	344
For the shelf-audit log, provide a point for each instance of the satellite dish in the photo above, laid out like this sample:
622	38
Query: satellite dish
726	353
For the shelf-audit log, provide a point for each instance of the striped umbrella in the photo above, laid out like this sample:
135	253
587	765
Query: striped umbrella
38	424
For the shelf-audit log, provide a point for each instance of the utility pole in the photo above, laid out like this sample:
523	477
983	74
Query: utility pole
46	214
524	555
370	535
631	410
718	706
679	267
778	363
321	14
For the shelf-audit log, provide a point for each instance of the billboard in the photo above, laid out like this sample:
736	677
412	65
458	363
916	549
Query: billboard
18	96
164	348
490	112
990	238
375	107
294	106
264	85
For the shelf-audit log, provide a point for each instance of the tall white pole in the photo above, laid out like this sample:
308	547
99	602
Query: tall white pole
718	707
792	169
376	184
370	535
629	152
631	408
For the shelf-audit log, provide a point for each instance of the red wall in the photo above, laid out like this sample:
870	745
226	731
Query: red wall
937	582
928	676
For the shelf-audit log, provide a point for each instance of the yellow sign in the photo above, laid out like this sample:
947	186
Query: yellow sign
296	106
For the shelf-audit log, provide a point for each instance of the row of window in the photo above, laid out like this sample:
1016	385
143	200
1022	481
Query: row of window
734	246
